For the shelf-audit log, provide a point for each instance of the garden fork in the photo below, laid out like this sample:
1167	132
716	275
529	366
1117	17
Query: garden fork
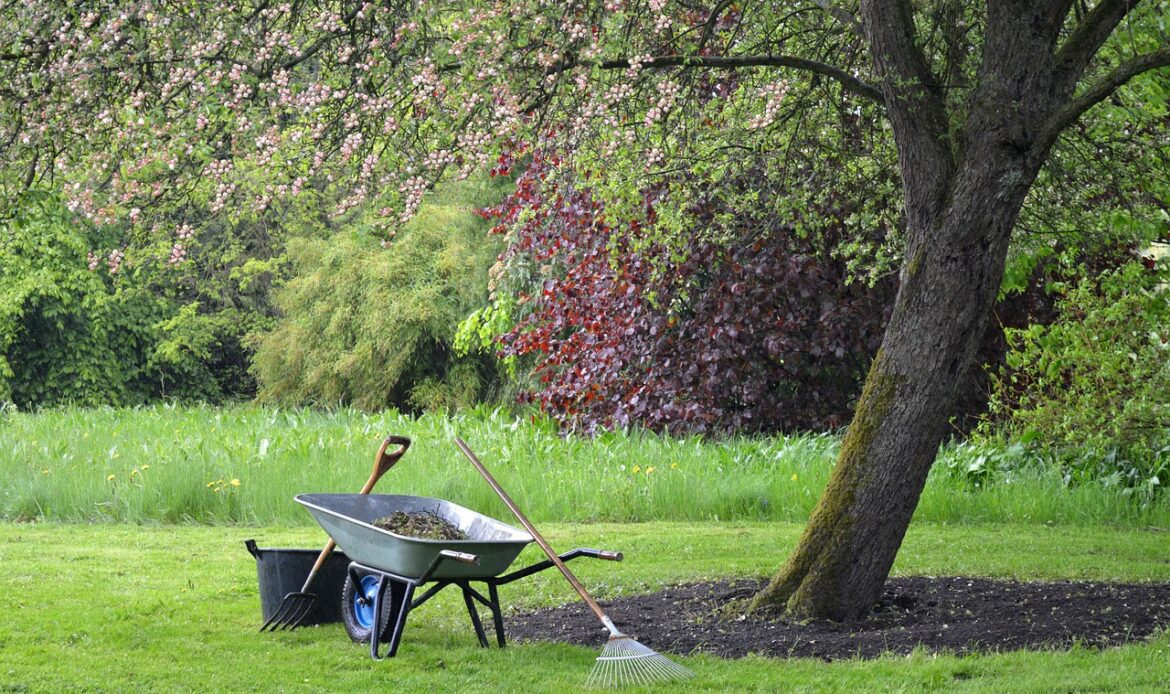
295	606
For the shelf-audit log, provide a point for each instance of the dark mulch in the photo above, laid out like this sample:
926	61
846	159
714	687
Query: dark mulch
957	615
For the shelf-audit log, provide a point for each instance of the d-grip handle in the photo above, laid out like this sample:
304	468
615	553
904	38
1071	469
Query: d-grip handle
383	461
402	441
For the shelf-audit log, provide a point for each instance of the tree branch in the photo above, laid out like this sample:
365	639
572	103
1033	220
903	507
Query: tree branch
914	104
842	15
1087	38
848	81
1074	108
709	27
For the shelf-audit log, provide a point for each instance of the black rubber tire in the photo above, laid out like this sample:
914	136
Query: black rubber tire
356	631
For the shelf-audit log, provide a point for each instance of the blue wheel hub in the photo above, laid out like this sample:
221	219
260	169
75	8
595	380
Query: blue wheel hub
363	601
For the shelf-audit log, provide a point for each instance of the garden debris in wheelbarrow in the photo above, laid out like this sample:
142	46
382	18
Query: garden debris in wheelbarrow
425	525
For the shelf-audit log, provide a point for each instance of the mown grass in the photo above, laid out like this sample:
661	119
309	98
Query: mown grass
244	464
139	603
164	608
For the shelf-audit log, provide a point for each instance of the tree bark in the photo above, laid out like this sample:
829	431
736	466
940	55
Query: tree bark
963	193
947	291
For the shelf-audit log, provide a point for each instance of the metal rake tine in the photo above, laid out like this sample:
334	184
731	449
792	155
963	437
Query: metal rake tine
624	662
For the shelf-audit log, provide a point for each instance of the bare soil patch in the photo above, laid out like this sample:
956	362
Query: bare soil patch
941	614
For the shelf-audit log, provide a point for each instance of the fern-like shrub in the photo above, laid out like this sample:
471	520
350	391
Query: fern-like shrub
370	324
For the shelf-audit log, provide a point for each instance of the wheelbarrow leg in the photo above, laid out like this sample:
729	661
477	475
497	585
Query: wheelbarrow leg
472	596
475	620
497	616
401	593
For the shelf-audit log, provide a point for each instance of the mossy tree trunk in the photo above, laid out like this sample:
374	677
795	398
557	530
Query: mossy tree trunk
964	187
855	531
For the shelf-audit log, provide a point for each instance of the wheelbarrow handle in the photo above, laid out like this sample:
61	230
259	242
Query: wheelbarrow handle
462	557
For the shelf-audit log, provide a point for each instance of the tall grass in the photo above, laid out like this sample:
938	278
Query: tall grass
244	464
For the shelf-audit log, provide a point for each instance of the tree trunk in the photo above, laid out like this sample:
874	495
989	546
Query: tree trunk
963	193
948	287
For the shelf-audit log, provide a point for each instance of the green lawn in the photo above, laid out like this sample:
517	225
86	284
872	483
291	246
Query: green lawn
117	607
159	593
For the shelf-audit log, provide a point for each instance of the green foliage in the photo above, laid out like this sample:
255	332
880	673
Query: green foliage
197	353
371	324
1106	185
978	463
86	329
479	332
69	334
1091	389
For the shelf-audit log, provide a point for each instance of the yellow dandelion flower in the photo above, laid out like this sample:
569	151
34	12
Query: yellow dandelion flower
794	477
146	467
235	482
674	466
46	471
637	469
210	485
650	469
110	478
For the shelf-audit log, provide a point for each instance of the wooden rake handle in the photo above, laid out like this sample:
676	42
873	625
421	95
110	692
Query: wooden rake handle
383	461
552	556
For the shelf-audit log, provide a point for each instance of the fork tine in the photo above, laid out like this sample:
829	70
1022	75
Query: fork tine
304	607
273	620
277	616
293	609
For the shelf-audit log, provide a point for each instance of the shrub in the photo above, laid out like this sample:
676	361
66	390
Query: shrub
78	329
370	323
1091	387
752	329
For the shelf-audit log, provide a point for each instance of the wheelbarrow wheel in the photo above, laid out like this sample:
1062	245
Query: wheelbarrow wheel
357	610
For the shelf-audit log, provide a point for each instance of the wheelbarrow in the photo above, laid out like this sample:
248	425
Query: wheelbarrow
386	568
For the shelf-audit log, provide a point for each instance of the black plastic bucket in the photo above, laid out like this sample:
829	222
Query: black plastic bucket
283	571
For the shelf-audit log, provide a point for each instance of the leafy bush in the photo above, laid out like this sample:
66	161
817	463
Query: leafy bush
1090	389
756	331
979	463
83	330
370	324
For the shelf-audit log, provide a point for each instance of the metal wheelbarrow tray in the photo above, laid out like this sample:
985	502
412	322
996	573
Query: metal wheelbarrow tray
386	567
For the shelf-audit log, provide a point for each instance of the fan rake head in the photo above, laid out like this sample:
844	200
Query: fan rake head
625	662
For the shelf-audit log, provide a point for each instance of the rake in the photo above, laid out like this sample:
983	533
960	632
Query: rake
623	661
296	606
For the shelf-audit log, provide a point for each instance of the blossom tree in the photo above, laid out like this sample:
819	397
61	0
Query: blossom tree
127	105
